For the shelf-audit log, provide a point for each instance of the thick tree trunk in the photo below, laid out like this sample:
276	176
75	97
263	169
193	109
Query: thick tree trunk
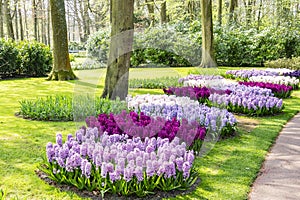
48	24
208	59
8	19
150	6
25	21
116	81
61	62
220	8
1	20
163	12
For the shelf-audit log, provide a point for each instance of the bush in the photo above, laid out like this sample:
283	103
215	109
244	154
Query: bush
165	45
8	58
292	63
35	58
76	46
87	64
97	45
64	108
236	46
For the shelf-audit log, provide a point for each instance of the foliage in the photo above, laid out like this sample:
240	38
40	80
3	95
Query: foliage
87	64
76	46
290	63
66	108
237	46
2	194
35	58
155	83
97	45
8	58
118	165
165	45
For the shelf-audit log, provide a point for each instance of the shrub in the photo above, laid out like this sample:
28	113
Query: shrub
66	108
292	63
35	58
87	64
76	46
165	45
97	45
8	58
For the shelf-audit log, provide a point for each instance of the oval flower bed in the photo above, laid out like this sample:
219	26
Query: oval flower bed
119	165
141	125
280	91
215	120
283	80
202	80
249	104
245	74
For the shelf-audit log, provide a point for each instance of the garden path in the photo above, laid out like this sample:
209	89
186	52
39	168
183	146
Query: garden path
279	177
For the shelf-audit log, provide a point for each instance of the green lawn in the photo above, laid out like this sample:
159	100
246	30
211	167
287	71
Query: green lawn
227	172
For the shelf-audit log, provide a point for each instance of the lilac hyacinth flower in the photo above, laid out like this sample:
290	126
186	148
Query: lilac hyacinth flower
186	169
59	139
50	152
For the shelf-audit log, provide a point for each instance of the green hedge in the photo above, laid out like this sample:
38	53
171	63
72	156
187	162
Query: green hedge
290	63
25	58
175	46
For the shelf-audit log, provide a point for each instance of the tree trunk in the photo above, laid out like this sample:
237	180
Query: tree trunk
116	81
48	24
35	23
208	59
25	21
150	6
8	20
78	19
61	62
16	21
220	7
1	20
86	20
20	21
259	14
163	12
232	16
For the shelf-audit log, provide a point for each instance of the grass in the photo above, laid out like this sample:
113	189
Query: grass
227	171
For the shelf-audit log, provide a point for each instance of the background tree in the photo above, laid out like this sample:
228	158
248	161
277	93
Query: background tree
1	20
61	62
8	19
208	58
116	81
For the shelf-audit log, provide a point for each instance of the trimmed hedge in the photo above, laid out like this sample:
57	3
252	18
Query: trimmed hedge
25	58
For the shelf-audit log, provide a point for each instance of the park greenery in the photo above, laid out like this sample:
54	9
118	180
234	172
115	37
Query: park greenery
149	98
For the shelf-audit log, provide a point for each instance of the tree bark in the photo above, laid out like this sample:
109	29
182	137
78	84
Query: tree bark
208	59
220	7
25	21
150	6
116	81
8	19
1	20
61	69
20	21
232	16
163	12
35	23
16	20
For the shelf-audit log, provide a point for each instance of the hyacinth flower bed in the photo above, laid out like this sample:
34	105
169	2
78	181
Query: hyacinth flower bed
295	74
250	104
246	74
119	165
280	91
283	80
238	89
195	93
280	71
202	80
143	126
215	120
